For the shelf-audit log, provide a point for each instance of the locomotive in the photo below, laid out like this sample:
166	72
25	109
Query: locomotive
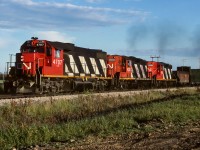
44	66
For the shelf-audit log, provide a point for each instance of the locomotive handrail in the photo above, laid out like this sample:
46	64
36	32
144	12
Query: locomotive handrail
39	61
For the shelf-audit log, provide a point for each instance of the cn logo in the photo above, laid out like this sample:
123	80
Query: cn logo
129	69
27	66
22	58
110	66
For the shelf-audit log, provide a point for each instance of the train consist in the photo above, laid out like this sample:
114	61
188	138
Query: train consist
45	66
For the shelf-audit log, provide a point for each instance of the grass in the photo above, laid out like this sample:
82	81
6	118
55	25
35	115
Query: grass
30	124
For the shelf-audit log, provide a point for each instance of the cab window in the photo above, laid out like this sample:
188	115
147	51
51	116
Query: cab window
129	63
49	51
57	53
34	50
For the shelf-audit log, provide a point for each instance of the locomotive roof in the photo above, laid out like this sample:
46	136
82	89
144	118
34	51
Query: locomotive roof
136	59
70	47
64	46
166	64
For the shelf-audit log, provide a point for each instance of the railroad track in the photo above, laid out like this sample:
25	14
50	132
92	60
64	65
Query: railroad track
13	96
18	98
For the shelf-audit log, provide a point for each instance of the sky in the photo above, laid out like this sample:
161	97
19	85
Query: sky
141	28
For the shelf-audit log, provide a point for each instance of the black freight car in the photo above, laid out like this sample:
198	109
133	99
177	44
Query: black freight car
195	76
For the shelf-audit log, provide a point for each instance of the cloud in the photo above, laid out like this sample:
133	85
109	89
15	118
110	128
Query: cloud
24	2
6	39
54	15
195	40
8	45
134	0
3	43
98	1
94	1
55	36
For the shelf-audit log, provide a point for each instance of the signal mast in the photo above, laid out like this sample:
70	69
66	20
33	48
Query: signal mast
157	57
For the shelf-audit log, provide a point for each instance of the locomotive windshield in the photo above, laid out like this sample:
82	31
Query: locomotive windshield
33	46
33	49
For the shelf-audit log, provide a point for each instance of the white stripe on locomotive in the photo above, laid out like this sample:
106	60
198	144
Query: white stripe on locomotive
142	68
73	64
94	65
66	69
170	75
166	73
103	65
132	75
84	65
137	71
146	67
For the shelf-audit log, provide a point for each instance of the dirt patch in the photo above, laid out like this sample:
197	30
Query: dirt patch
162	137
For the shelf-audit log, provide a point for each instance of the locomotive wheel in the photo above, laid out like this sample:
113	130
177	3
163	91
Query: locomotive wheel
101	86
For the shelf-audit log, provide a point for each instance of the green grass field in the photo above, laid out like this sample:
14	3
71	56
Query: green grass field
30	124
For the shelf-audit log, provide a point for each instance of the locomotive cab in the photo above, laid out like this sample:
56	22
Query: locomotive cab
119	66
155	70
36	58
39	57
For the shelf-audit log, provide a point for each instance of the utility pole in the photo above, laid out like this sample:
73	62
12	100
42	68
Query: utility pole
10	59
8	68
11	55
152	57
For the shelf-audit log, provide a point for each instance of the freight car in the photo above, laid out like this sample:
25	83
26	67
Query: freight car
195	76
187	76
182	74
45	66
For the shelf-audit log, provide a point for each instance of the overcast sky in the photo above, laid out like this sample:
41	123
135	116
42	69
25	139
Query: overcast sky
169	28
